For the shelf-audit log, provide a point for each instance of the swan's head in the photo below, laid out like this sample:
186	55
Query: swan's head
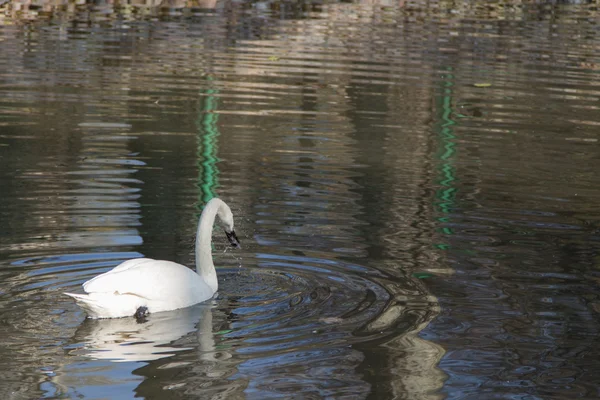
226	221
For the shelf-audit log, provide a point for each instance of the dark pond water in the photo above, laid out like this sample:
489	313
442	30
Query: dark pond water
415	185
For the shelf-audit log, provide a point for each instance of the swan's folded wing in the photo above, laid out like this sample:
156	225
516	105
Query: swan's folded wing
150	279
130	264
96	283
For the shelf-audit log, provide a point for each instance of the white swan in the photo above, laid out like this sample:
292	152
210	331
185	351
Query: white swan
142	285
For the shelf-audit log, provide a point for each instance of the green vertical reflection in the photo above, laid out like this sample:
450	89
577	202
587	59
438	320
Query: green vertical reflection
208	133
445	195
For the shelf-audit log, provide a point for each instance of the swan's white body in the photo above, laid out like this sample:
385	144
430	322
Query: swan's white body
158	285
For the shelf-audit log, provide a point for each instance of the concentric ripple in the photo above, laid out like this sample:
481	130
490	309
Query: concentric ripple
283	305
358	142
269	319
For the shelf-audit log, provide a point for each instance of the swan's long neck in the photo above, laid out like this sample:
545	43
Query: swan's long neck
204	262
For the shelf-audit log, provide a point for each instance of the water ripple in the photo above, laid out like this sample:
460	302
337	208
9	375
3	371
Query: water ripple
367	149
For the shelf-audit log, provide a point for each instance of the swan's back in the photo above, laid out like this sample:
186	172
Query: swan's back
156	280
156	285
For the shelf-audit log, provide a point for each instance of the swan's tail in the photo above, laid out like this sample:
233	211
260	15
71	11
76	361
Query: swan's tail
105	305
89	304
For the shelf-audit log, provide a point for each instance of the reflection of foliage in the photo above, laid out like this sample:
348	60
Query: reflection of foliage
207	148
27	10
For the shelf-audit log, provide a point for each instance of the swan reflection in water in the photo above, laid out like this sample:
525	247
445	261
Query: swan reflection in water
108	353
153	338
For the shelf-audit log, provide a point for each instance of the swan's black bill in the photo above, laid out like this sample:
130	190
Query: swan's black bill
233	239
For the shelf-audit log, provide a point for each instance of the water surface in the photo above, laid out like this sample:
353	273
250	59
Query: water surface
414	186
